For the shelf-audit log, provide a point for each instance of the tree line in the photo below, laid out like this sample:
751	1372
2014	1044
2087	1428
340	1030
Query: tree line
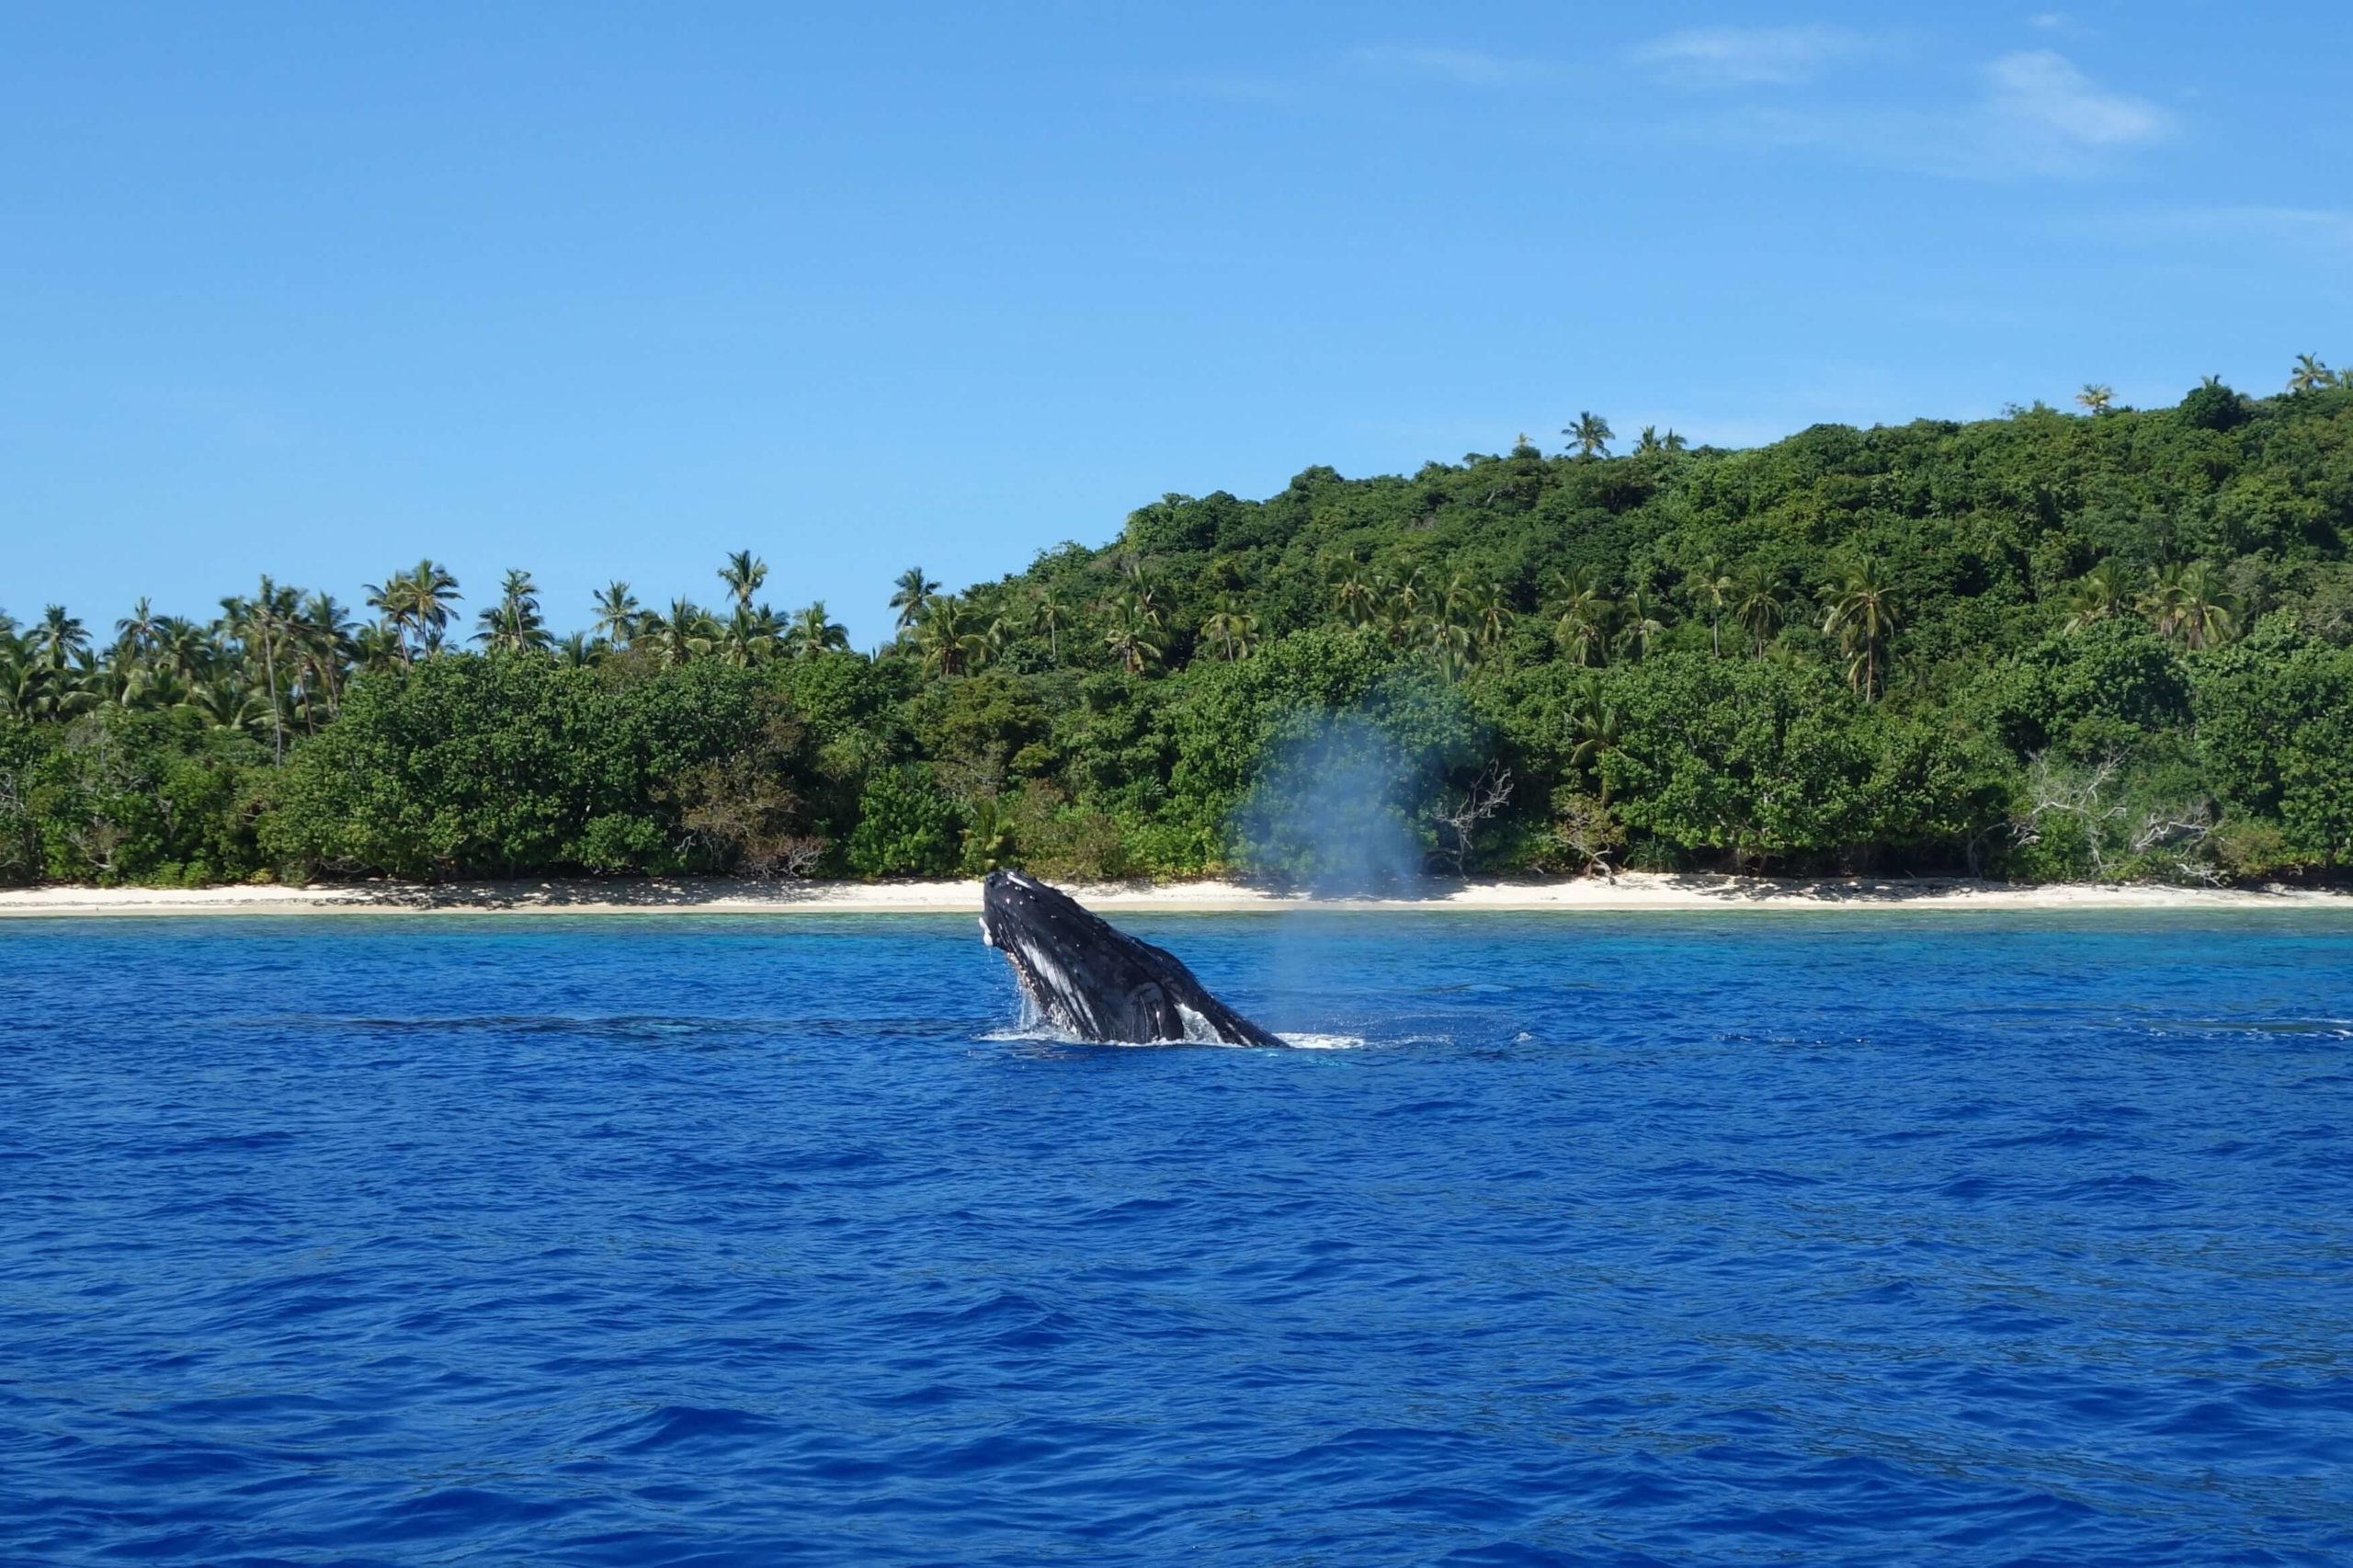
2048	645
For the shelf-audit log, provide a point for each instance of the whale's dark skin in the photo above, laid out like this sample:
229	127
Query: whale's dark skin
1096	982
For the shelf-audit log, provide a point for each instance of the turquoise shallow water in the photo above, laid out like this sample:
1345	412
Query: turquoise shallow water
1753	1238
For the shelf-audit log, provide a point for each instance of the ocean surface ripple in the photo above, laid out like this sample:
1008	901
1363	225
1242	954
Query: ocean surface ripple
1767	1238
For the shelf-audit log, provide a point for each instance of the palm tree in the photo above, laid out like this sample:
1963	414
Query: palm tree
2190	603
1049	614
749	636
417	602
2096	397
224	704
324	637
1141	598
1644	621
686	633
19	678
1580	616
377	647
1651	442
156	690
1594	725
2209	615
1230	628
939	634
1448	639
1756	605
1710	584
744	573
1862	614
2161	600
1491	615
813	632
1590	435
2309	375
1454	599
513	624
914	591
134	635
1134	638
173	643
261	621
2095	596
982	646
432	592
1354	599
390	599
1400	606
56	639
616	613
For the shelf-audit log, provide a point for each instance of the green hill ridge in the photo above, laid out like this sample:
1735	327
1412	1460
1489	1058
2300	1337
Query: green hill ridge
2046	646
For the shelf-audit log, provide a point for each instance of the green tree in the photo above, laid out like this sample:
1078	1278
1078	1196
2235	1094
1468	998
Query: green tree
2097	595
815	632
1594	726
513	624
1051	615
1861	615
1230	629
618	615
905	827
1758	605
744	573
911	595
1590	436
2275	734
416	605
1134	637
1580	617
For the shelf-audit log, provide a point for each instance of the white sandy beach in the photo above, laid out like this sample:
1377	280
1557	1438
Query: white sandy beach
1630	892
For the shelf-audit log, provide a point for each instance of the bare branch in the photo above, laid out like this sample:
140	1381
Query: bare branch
1489	792
1586	829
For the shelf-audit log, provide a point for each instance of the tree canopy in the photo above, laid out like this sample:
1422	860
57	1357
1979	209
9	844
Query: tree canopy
2116	642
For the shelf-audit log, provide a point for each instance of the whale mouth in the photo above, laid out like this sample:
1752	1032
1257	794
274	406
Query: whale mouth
1091	982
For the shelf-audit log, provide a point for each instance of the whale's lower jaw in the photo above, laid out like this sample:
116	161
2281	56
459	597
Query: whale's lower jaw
1093	983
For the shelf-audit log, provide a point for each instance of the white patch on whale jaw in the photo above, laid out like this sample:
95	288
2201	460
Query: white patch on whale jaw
1199	1030
1048	988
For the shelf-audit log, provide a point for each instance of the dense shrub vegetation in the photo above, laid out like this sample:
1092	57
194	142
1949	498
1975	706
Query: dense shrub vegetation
2049	645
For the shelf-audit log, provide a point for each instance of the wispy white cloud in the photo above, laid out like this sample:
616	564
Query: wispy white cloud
2041	92
1464	67
1730	57
2034	114
2048	21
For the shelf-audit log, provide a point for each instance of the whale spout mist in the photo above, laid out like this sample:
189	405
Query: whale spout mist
1097	983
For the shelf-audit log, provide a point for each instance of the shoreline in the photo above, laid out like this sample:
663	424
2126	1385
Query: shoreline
1630	891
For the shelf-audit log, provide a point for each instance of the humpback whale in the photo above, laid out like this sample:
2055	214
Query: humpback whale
1096	982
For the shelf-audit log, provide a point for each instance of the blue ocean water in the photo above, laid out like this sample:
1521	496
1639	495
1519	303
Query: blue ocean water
1745	1238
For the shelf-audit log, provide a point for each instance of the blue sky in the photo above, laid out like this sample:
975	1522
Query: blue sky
606	292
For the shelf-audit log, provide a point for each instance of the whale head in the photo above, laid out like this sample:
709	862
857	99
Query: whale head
1093	983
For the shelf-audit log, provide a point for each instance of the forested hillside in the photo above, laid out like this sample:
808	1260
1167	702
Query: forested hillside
2112	644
